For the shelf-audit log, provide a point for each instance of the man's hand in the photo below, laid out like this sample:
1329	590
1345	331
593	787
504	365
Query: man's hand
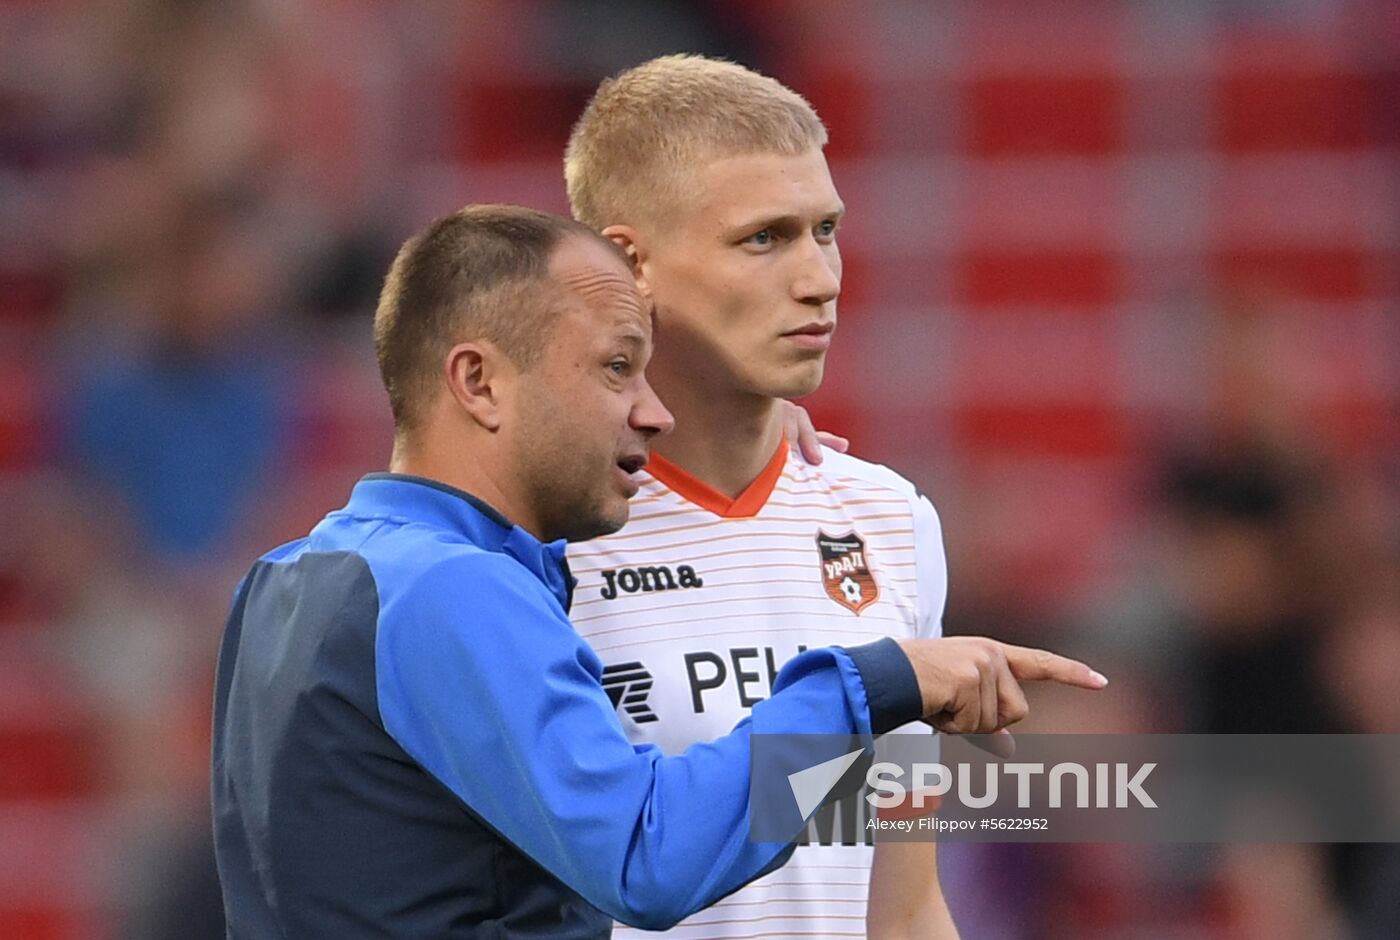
797	425
972	685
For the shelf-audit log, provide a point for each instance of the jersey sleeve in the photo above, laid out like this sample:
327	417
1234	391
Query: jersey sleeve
931	568
484	682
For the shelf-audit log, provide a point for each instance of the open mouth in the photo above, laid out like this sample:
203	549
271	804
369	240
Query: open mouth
632	464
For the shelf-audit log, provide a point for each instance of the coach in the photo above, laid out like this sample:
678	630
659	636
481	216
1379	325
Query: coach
410	739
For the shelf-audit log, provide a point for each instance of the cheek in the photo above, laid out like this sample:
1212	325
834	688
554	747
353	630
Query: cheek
706	290
739	310
593	415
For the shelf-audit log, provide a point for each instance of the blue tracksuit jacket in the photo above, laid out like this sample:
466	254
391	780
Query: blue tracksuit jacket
411	740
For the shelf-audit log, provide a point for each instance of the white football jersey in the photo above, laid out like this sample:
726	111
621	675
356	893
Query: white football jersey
699	600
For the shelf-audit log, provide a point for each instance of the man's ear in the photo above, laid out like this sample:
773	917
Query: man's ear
477	374
634	247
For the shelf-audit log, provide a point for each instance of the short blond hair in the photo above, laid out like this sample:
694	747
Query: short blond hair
646	129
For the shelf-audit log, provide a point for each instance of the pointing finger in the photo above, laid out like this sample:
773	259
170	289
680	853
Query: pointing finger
1036	665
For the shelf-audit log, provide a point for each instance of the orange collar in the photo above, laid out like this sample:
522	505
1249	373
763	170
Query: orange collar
746	504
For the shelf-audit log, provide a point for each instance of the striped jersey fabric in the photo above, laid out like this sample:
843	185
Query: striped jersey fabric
699	600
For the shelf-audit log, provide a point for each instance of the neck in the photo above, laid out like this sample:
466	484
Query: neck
462	467
724	441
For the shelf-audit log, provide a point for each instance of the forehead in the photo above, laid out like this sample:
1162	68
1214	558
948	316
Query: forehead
731	189
595	283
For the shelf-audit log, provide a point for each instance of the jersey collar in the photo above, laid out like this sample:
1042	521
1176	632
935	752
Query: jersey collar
419	499
747	504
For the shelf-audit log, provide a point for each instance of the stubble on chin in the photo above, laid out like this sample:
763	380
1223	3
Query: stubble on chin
589	522
577	516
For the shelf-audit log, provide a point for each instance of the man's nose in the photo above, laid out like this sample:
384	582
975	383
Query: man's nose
649	415
818	279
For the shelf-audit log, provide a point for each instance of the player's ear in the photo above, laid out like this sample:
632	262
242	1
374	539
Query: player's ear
631	243
478	374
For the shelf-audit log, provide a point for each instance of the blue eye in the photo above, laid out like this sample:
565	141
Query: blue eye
764	237
618	366
826	229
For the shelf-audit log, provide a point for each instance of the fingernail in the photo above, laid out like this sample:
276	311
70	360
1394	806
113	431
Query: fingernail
1099	677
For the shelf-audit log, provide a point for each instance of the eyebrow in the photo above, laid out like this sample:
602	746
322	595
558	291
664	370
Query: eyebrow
632	336
784	221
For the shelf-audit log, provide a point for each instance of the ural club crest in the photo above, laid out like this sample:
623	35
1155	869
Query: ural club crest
845	573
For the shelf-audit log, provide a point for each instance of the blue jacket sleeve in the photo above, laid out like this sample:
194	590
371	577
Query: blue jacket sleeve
483	680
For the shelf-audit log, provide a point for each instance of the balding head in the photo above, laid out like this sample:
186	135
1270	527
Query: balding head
482	273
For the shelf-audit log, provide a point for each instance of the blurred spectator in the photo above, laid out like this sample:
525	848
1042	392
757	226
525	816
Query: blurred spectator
180	411
1254	601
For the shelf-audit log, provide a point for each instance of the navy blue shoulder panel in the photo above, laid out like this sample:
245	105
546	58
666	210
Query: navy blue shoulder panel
324	827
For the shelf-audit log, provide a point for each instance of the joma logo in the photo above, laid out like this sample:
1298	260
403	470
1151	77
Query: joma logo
648	578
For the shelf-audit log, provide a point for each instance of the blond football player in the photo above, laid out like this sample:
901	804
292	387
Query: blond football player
712	179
